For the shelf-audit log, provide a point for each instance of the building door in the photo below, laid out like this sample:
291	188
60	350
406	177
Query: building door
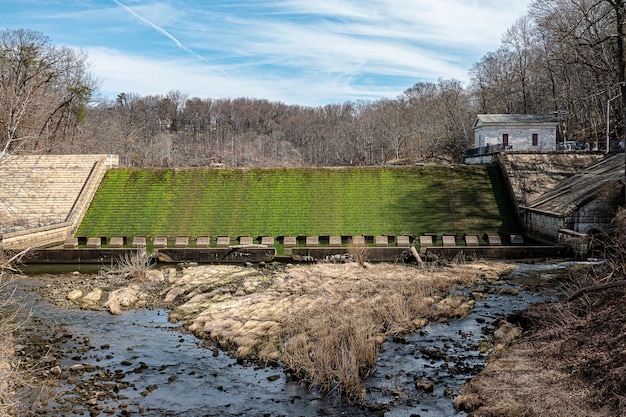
505	140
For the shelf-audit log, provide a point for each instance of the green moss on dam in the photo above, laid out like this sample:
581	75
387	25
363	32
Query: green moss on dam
300	201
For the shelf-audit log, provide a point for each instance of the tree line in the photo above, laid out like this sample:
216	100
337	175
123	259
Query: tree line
565	57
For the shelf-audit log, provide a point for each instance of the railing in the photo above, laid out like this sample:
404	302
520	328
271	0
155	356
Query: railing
485	150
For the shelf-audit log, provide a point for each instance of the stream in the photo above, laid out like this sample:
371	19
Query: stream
141	364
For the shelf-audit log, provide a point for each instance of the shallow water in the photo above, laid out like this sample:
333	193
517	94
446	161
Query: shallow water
162	371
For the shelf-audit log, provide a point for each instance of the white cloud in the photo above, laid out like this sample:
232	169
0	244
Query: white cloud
121	72
296	51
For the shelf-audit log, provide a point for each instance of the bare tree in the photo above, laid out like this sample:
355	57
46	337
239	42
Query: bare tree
44	91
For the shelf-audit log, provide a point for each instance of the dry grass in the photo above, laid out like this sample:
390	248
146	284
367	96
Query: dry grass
8	311
11	377
521	382
133	268
18	392
571	360
358	251
326	322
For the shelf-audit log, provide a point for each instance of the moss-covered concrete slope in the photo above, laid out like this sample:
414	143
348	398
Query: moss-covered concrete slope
303	201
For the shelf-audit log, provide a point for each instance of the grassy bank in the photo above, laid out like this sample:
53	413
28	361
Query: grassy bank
305	201
570	358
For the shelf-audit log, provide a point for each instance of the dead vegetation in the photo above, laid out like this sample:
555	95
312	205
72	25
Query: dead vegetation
133	268
8	370
572	358
9	309
325	322
358	252
16	378
131	282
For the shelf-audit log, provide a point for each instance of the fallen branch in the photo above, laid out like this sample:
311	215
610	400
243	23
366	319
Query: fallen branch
8	265
596	288
417	256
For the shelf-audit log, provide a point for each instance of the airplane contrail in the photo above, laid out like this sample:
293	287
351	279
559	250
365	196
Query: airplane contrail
161	30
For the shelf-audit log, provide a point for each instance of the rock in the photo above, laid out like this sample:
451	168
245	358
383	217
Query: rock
377	407
507	334
174	293
419	323
155	275
74	295
171	275
55	370
432	353
424	384
94	296
509	291
123	297
77	368
453	307
467	402
466	308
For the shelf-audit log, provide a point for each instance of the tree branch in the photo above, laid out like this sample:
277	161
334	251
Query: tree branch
596	288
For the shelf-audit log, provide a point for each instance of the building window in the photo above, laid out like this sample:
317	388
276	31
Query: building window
505	139
535	139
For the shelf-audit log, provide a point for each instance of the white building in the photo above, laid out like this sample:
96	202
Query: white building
516	132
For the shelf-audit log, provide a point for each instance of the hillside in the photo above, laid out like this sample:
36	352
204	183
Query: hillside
304	201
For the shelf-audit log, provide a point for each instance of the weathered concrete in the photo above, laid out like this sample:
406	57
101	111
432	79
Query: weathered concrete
77	256
374	254
38	236
46	196
500	252
233	254
531	174
585	202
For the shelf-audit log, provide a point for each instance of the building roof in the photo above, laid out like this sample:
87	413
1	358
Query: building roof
482	119
581	188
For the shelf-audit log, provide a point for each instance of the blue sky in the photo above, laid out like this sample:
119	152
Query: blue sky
307	52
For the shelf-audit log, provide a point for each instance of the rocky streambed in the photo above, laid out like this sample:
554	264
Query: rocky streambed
182	346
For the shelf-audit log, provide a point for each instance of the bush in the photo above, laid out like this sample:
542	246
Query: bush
11	377
358	252
130	268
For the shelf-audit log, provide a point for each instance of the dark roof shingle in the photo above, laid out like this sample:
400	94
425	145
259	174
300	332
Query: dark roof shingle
582	187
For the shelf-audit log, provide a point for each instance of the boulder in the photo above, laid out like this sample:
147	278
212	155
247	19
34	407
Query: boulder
424	384
123	297
74	295
507	334
155	275
467	402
